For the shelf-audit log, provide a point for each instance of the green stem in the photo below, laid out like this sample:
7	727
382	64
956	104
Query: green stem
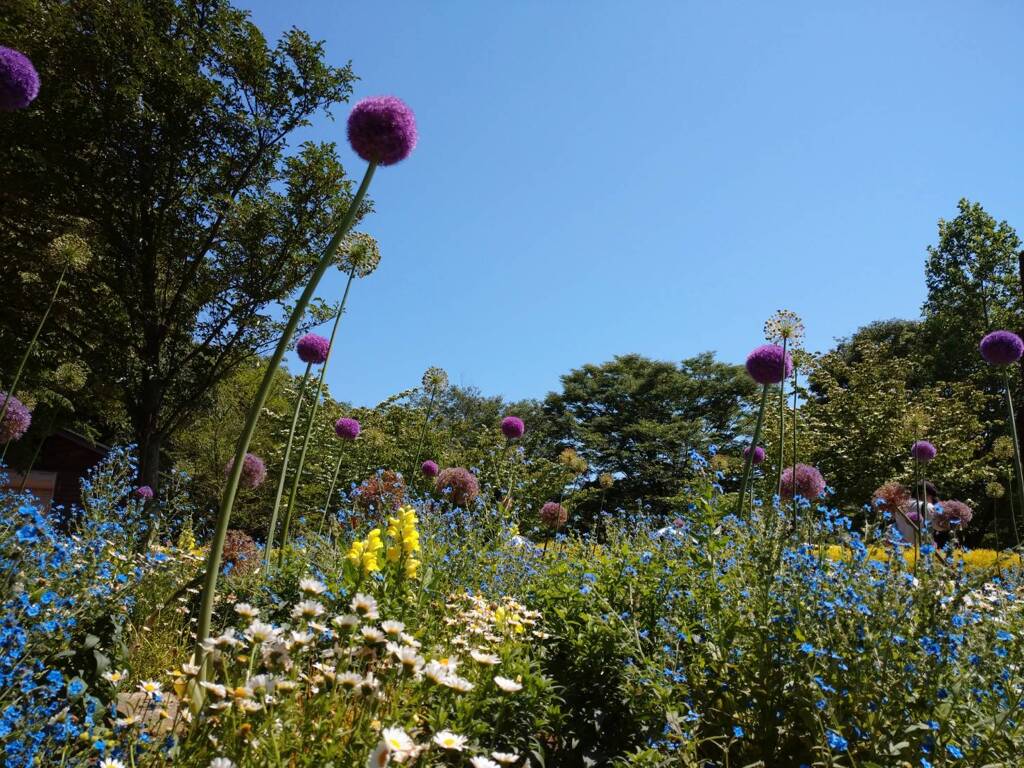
330	493
782	422
272	529
796	506
31	345
39	449
1016	450
231	489
423	435
749	462
312	419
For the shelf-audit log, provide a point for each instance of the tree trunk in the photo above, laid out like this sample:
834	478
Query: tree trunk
150	443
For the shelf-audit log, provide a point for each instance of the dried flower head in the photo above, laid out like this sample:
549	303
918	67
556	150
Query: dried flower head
1002	447
786	326
995	490
254	471
70	250
70	377
553	515
359	255
19	81
17	418
605	480
769	364
382	130
384	491
241	552
459	485
809	482
951	514
1001	348
890	497
434	379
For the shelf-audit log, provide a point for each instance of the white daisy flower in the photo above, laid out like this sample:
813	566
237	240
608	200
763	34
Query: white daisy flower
365	606
435	672
392	628
505	758
109	762
488	659
449	740
115	677
483	762
221	762
246	611
260	632
372	635
348	621
312	587
380	756
507	685
307	609
397	741
216	689
151	688
409	659
349	680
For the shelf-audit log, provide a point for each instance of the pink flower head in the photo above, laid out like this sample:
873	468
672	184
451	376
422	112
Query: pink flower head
347	429
429	468
144	492
313	348
758	454
553	515
512	427
923	451
254	471
17	418
1001	348
19	81
769	364
459	485
382	130
809	482
951	514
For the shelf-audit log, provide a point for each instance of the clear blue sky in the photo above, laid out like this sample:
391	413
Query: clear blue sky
597	178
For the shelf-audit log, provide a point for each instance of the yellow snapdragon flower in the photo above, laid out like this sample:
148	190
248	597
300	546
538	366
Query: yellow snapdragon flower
365	554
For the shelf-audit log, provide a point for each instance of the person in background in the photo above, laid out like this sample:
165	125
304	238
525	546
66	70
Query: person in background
911	520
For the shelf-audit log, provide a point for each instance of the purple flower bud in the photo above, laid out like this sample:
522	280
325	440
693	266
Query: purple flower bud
759	454
809	482
254	471
923	451
313	349
512	427
19	81
144	492
429	468
1001	348
769	364
347	429
382	130
17	419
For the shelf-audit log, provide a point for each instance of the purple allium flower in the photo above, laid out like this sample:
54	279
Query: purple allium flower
347	429
809	482
144	492
512	427
768	364
553	515
1001	348
429	468
382	130
459	485
923	451
759	454
254	471
952	514
19	81
16	420
313	349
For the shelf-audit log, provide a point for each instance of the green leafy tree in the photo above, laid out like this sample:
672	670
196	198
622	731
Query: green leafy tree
162	135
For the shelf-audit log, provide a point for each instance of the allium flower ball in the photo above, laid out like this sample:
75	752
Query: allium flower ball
605	480
254	471
890	497
382	130
951	514
16	420
459	485
359	255
313	348
19	81
512	427
434	379
429	468
347	429
758	454
240	554
144	492
923	451
1001	348
769	364
809	482
70	250
553	515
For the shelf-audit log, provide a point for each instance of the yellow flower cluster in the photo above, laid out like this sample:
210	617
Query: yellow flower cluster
405	539
974	560
365	554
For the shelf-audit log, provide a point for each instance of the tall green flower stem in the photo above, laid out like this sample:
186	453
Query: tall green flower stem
796	506
748	464
31	345
312	421
272	529
1016	450
213	560
39	449
423	434
782	421
330	494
